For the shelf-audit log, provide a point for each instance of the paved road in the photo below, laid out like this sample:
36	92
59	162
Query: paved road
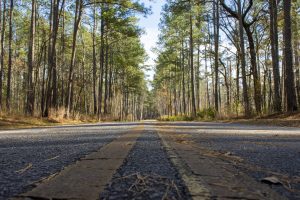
48	150
247	153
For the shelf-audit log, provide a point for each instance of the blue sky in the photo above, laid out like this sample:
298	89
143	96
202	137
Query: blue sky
150	25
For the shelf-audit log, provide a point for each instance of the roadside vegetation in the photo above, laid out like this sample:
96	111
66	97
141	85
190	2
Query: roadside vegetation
238	59
78	60
208	114
71	59
21	121
284	119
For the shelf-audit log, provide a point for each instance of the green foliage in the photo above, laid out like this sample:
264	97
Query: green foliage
176	118
117	46
172	70
207	113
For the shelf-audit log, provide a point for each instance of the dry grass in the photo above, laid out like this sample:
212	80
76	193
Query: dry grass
283	119
21	121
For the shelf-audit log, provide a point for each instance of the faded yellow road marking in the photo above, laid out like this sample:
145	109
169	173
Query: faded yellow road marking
195	185
87	178
209	174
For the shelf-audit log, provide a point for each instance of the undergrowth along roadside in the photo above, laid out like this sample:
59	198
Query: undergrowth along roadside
14	121
205	114
281	119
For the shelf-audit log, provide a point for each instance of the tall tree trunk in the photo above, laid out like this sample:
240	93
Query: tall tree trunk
2	50
288	53
255	73
77	19
275	54
183	79
238	78
31	61
110	96
63	62
296	40
43	98
94	60
198	101
206	78
54	54
106	76
216	53
239	15
297	65
100	89
192	66
243	62
10	51
48	91
51	97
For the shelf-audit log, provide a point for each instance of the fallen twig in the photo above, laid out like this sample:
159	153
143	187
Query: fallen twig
21	171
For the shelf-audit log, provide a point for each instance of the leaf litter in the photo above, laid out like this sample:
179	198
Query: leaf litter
145	185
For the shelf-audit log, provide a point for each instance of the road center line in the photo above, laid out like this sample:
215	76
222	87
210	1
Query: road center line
87	178
194	184
208	176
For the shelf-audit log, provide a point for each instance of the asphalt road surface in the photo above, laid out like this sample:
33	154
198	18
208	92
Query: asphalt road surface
177	160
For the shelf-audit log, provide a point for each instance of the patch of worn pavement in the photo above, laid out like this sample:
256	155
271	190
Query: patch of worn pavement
147	173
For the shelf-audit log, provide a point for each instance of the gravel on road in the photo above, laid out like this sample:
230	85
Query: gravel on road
146	174
266	151
29	155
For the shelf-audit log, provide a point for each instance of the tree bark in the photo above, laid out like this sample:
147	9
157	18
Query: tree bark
77	19
288	53
183	79
255	73
10	51
216	53
2	51
31	61
106	76
100	89
192	67
51	97
275	54
239	15
94	60
243	62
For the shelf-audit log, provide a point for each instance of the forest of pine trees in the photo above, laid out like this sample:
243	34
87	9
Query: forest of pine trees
85	57
231	57
71	58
